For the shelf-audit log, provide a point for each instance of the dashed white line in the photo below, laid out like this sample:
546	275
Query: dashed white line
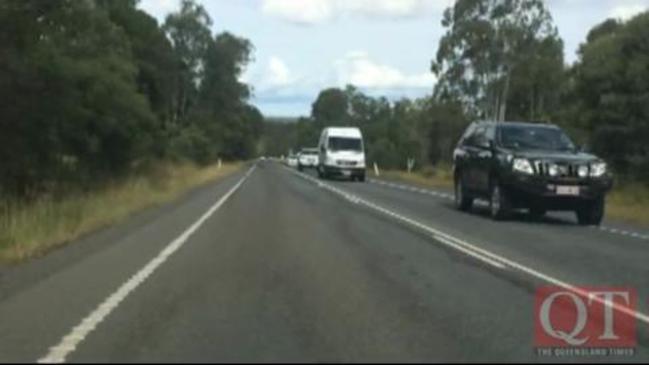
624	233
450	197
486	256
59	352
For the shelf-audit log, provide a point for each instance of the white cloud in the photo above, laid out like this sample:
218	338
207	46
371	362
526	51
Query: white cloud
626	12
278	73
273	76
158	8
301	12
319	11
358	69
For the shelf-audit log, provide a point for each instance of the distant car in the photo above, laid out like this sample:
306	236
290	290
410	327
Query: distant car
308	158
291	161
341	153
528	165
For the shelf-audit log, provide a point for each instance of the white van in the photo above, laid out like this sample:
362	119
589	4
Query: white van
341	153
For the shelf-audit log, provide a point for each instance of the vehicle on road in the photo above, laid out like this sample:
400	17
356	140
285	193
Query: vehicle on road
308	158
341	153
531	166
291	161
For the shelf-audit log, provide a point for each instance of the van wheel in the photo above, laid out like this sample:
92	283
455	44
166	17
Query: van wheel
499	205
361	178
463	201
591	213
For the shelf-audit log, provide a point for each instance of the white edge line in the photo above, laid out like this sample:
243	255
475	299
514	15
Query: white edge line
479	254
450	197
59	352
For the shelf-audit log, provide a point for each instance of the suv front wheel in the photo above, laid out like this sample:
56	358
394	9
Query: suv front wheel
499	205
463	201
591	213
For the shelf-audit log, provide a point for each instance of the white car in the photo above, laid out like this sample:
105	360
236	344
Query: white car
291	161
307	158
341	153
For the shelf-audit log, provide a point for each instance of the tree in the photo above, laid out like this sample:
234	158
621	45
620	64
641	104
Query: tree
330	108
153	53
612	91
499	53
71	108
226	58
154	58
189	31
90	90
223	98
424	129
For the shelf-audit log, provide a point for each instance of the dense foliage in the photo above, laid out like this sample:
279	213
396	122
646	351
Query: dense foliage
90	89
424	129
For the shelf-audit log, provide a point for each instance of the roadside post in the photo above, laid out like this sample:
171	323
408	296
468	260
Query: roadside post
411	164
376	170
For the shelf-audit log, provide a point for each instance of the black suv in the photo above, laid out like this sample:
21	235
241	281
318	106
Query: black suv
528	165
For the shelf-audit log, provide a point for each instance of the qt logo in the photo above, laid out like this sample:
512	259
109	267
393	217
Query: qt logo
592	318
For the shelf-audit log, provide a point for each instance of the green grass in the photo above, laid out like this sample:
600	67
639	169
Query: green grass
433	177
626	203
34	228
629	203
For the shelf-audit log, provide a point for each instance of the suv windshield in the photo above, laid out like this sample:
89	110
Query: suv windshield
530	137
345	144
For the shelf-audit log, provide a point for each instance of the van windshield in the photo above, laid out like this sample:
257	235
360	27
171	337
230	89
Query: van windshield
345	144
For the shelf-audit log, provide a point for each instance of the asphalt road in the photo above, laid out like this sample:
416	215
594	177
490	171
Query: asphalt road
271	265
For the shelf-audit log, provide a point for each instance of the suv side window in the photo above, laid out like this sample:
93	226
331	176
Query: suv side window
467	135
491	134
478	138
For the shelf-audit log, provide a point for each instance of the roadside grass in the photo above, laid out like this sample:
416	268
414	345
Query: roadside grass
432	177
628	202
34	228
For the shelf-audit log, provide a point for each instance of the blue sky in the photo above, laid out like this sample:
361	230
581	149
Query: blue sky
383	47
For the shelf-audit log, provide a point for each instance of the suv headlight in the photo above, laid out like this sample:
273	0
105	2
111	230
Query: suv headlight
582	171
523	165
598	169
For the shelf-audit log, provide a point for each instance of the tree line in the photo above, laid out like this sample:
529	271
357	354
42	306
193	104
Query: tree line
503	60
92	89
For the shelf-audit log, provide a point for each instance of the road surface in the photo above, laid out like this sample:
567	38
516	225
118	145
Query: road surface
272	265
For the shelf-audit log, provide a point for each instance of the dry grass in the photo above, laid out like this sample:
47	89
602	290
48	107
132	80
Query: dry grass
432	177
627	203
31	229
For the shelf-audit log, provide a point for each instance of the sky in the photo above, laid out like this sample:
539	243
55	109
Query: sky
383	47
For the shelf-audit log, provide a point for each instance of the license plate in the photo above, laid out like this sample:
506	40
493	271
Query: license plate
568	190
346	173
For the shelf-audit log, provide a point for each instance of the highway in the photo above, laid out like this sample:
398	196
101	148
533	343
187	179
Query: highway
274	265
